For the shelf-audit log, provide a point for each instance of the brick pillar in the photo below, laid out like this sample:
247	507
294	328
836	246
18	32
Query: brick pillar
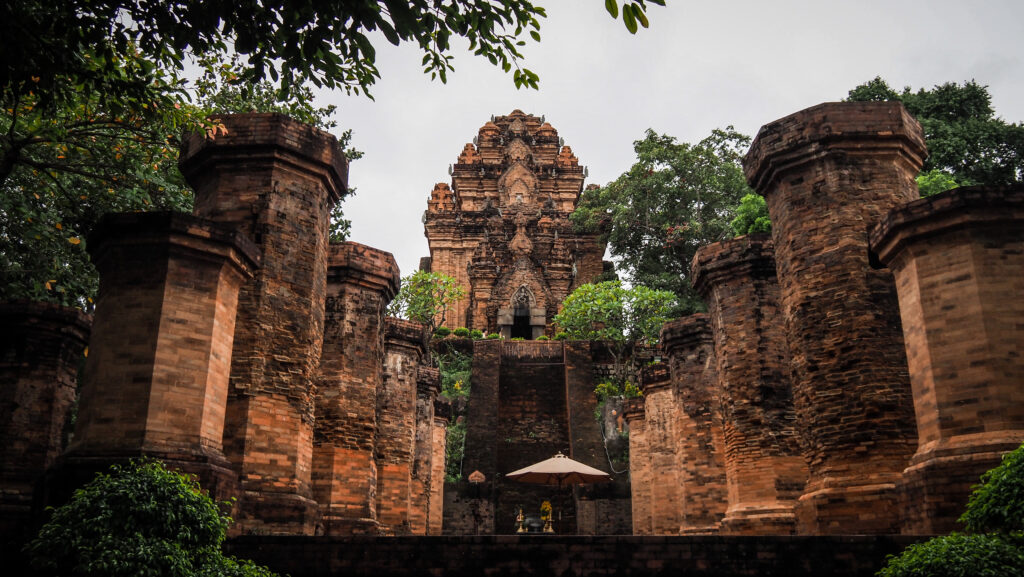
959	263
765	468
428	385
405	349
661	439
361	281
41	347
639	467
156	380
439	437
690	351
274	179
827	174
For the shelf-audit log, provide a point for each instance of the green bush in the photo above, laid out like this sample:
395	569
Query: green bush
998	503
476	334
461	332
958	555
561	336
493	336
442	332
606	390
518	339
140	519
543	338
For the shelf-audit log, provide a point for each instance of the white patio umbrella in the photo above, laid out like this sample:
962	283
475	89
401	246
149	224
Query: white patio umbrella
559	470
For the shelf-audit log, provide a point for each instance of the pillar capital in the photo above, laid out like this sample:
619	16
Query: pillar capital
685	333
351	262
747	256
833	129
265	139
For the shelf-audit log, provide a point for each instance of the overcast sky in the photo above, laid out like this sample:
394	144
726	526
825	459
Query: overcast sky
700	66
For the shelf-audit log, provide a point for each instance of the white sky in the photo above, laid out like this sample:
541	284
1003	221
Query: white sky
700	66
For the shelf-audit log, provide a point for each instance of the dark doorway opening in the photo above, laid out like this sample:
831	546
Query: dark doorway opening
521	324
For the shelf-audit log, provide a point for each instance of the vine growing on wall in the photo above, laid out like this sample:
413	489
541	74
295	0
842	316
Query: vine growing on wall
456	374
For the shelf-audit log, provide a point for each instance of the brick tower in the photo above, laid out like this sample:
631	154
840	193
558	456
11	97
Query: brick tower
502	228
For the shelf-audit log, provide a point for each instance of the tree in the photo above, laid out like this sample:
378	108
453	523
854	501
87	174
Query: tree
425	298
994	545
62	169
675	199
623	317
752	216
967	142
140	519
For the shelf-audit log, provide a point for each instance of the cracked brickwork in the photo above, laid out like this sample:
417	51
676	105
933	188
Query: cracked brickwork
41	347
361	281
827	174
274	179
764	466
958	259
687	343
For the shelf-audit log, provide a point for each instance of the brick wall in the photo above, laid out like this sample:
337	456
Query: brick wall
958	258
765	469
41	347
274	179
405	347
661	439
156	380
688	346
360	283
618	556
640	474
827	174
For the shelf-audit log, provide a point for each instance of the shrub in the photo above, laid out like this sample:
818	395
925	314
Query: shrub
958	555
476	334
561	336
998	503
631	391
494	336
140	519
442	332
518	339
543	338
607	389
461	332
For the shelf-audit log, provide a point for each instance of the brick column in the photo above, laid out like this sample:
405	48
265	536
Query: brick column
41	347
764	465
428	385
361	281
274	179
690	352
827	174
439	438
661	439
639	467
156	380
959	263
405	349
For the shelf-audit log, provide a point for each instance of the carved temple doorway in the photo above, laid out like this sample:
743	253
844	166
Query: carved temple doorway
523	319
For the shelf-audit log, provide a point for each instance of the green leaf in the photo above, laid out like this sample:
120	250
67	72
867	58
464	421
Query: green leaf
628	19
612	6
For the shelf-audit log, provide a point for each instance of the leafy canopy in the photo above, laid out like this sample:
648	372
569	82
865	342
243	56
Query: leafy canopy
62	169
425	297
137	520
967	142
676	198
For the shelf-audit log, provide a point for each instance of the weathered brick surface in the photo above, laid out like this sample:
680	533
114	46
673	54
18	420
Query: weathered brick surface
828	173
764	465
156	380
405	347
639	468
958	259
502	228
428	386
41	347
689	348
361	281
511	555
662	450
274	179
439	436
